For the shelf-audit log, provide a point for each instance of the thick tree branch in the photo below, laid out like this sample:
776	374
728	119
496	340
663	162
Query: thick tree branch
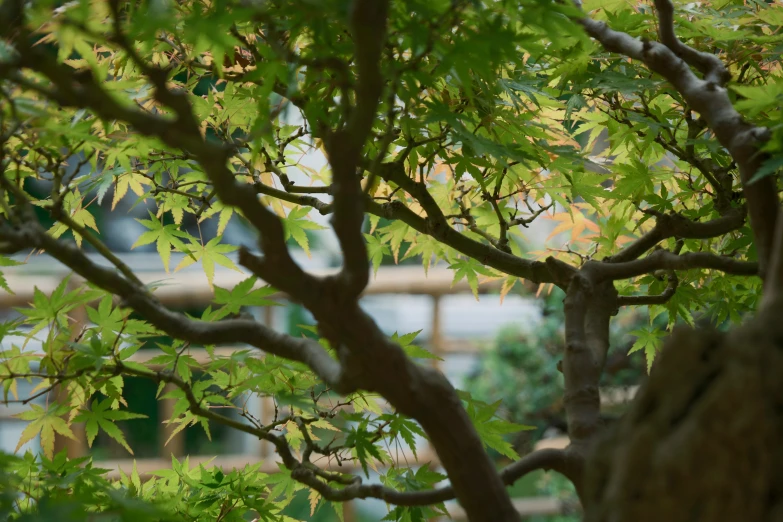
565	461
304	472
425	393
344	147
677	226
589	305
534	271
368	29
581	368
774	284
665	260
279	268
646	300
300	199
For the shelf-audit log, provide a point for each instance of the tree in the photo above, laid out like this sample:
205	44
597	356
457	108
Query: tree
461	123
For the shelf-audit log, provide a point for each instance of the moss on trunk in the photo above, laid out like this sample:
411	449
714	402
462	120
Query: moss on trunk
703	441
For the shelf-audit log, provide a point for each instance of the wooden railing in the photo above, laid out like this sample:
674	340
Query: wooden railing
190	289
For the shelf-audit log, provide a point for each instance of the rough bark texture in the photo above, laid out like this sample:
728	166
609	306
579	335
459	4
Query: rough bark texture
702	441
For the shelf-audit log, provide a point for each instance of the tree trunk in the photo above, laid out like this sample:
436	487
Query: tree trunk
702	441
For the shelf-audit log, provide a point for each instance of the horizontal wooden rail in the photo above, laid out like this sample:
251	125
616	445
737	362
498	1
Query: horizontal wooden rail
526	507
202	356
617	395
553	443
145	467
192	288
610	397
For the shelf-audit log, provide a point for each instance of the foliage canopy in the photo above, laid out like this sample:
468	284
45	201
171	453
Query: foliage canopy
460	124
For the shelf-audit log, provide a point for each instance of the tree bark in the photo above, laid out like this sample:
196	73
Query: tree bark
702	441
423	394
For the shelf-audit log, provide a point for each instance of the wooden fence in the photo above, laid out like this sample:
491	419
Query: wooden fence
190	289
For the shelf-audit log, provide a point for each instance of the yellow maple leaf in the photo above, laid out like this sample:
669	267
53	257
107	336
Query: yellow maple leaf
314	497
129	180
508	284
546	286
576	222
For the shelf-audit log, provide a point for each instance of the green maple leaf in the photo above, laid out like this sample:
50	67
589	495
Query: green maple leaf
164	237
363	447
172	357
90	355
211	254
428	477
241	295
394	235
427	247
225	216
468	269
224	212
295	225
491	428
759	98
5	261
72	205
101	416
411	350
648	340
127	180
588	187
107	319
281	485
422	479
376	249
45	309
406	428
45	422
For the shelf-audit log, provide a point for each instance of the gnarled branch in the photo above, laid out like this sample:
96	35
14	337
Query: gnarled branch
662	259
662	298
344	147
677	226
